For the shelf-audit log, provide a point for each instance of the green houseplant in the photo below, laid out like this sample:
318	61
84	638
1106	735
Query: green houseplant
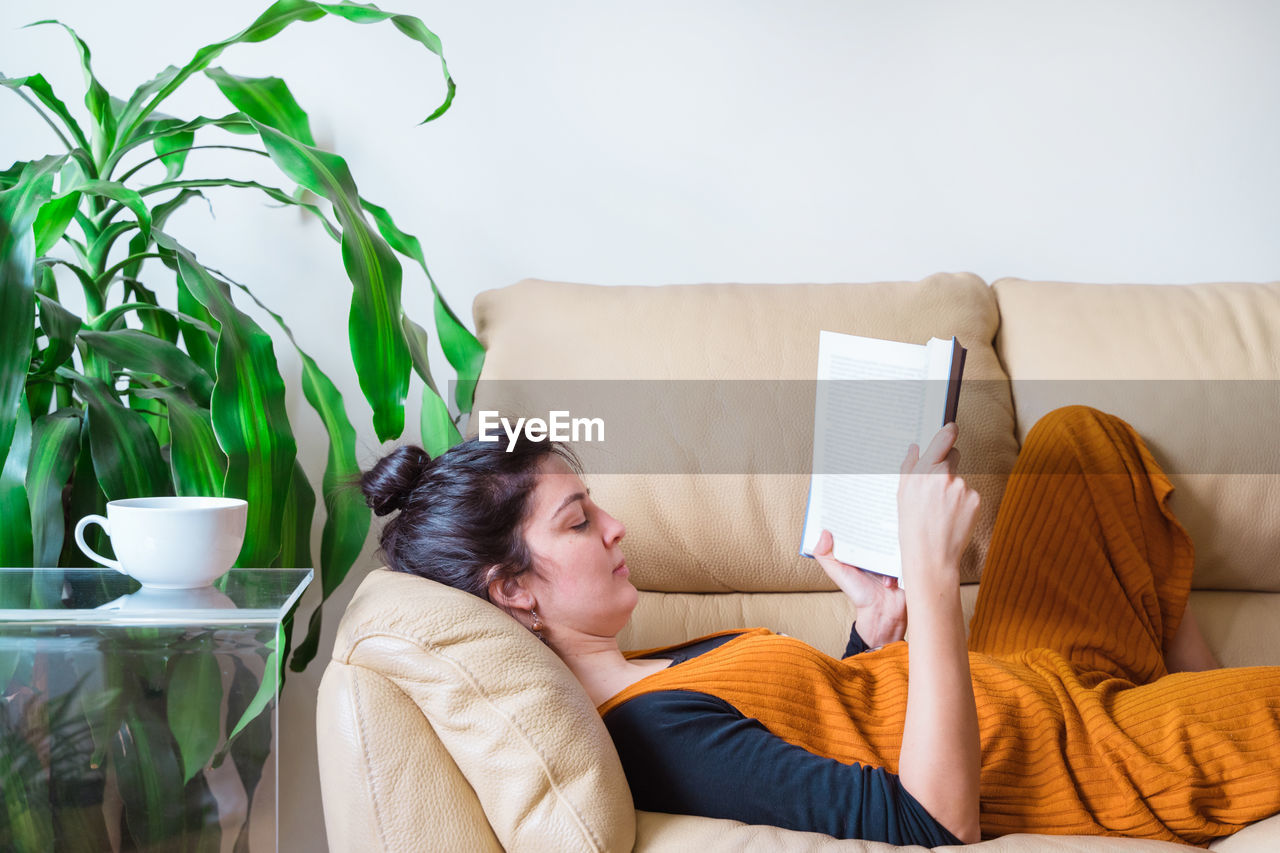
166	385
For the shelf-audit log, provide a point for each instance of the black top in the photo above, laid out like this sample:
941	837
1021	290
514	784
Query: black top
686	752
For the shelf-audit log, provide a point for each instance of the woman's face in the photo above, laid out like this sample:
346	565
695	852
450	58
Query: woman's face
580	579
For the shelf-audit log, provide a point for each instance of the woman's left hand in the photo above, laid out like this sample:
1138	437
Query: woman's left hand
881	604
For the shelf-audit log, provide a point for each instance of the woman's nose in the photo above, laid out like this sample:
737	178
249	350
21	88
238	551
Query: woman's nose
614	529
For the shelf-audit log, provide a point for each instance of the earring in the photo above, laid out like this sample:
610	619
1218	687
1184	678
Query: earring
537	626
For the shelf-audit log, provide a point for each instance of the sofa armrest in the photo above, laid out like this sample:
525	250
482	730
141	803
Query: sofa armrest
386	780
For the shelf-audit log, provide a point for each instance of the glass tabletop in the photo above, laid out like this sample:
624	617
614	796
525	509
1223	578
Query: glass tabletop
106	597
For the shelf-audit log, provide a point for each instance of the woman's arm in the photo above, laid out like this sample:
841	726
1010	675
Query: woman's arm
940	758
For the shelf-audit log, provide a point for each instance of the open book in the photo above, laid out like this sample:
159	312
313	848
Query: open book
874	398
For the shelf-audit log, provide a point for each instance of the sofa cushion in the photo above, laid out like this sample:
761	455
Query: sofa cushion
663	832
707	396
1196	370
1242	628
517	724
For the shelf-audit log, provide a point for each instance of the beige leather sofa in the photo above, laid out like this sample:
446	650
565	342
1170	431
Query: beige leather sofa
445	726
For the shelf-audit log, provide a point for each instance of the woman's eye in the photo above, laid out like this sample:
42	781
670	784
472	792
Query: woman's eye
583	525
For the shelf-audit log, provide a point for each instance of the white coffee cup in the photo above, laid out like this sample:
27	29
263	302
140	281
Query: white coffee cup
171	543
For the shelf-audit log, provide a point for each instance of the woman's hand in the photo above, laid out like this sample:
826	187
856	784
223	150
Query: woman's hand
881	606
936	512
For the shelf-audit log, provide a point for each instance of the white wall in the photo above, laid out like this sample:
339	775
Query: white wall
725	140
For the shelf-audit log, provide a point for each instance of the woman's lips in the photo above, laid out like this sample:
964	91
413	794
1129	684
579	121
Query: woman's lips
622	570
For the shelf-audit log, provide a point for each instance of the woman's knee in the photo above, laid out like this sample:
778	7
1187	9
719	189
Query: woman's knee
1072	417
1067	440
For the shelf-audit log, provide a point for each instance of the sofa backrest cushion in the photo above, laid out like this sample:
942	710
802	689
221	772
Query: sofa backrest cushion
515	721
710	387
1196	370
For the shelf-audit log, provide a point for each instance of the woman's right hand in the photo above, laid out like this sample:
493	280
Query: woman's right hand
936	512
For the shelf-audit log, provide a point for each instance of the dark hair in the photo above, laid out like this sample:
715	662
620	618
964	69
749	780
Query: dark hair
460	514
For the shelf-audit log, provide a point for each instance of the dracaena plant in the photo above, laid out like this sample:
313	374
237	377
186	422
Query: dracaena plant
137	397
164	383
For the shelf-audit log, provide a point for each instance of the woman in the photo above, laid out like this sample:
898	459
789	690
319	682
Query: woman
1059	716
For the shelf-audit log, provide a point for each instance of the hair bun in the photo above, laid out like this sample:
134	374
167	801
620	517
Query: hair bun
388	485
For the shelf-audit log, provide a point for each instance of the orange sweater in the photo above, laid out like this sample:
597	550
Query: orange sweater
1082	729
1191	757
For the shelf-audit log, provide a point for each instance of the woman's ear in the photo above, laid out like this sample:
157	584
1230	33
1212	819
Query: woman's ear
509	593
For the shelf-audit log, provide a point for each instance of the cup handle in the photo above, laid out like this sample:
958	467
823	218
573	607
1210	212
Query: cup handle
89	552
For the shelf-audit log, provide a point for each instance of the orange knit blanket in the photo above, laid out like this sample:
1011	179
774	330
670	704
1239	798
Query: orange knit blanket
1082	728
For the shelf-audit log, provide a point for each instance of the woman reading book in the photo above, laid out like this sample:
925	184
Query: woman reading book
1065	711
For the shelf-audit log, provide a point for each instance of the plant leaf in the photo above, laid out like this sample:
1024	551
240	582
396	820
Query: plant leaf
300	509
149	777
192	703
199	466
60	326
55	444
438	431
161	212
52	221
415	29
112	318
139	244
250	749
40	387
19	206
40	396
378	348
411	27
44	92
146	353
24	793
172	146
116	192
273	193
463	350
85	498
248	410
198	338
347	516
306	650
147	132
436	427
126	457
132	108
266	692
102	241
10	176
34	187
266	100
86	281
161	324
17	311
15	543
280	15
419	350
95	97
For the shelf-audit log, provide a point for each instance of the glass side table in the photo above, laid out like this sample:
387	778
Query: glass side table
135	719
